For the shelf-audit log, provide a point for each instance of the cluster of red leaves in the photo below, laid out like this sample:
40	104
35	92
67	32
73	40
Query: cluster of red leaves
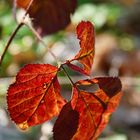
86	115
35	96
45	19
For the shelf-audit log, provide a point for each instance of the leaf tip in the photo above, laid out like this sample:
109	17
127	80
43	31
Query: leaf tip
83	25
23	126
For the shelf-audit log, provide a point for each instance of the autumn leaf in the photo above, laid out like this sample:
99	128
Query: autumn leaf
85	33
49	16
67	123
23	4
35	96
94	108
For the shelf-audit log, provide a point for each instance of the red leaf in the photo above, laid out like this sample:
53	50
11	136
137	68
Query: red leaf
23	4
49	16
35	96
67	123
94	108
76	68
85	32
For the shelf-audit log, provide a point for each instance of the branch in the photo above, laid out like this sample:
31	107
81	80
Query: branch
9	41
15	32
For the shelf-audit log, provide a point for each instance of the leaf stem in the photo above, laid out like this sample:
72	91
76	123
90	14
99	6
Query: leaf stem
80	95
67	75
10	40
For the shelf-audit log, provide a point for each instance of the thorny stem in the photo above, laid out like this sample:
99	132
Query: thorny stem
10	40
43	43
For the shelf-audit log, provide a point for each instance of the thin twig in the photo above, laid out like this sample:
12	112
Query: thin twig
67	75
15	32
14	10
43	43
9	41
27	10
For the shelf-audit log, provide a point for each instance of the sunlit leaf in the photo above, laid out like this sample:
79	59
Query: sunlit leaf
85	33
49	16
35	96
94	108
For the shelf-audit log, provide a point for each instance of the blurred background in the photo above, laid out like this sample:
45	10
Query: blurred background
117	25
